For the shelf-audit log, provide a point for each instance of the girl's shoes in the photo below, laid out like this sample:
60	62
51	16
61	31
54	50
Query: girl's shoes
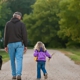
45	76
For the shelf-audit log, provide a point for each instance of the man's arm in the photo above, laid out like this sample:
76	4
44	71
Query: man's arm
24	36
5	38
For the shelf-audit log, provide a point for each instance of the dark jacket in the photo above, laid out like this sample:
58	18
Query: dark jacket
15	31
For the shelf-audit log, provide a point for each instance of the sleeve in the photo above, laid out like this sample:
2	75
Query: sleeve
47	54
35	53
5	36
24	35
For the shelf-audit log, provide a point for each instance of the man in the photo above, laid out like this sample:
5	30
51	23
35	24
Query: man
15	41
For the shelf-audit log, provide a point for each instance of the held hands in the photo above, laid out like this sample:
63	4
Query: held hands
6	49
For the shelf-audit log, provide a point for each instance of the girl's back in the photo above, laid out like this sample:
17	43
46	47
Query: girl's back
41	55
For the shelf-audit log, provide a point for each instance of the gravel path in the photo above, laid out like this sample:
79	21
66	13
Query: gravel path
59	67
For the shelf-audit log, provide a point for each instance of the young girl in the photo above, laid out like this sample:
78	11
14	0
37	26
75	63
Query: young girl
40	52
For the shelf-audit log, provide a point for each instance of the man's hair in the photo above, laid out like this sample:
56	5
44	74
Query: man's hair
17	14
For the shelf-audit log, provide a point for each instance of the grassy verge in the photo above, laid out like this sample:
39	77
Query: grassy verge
74	54
5	56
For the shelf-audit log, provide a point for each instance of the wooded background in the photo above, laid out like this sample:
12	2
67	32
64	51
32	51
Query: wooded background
54	22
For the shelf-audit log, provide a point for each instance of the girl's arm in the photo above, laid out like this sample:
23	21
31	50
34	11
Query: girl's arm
47	54
35	53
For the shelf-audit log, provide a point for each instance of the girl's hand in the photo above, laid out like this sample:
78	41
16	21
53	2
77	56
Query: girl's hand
49	59
51	56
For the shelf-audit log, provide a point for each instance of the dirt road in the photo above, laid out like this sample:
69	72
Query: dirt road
59	67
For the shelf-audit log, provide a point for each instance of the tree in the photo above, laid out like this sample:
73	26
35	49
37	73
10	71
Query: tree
22	6
70	20
42	24
4	13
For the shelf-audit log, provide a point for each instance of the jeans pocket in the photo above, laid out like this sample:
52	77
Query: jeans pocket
20	45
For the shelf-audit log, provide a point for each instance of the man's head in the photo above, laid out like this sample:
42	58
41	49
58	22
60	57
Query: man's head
17	15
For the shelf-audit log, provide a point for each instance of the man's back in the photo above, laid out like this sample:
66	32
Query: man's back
15	31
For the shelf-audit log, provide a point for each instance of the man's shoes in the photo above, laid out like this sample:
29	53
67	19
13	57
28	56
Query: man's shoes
45	76
14	77
18	77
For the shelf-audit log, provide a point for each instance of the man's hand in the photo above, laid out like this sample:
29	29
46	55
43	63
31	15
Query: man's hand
25	49
6	49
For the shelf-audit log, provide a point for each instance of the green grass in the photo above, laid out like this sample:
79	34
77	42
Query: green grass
5	56
75	57
74	54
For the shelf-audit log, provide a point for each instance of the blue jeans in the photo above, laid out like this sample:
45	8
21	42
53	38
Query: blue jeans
16	54
40	66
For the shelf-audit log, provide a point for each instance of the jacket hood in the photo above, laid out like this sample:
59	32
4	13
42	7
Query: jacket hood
15	20
41	49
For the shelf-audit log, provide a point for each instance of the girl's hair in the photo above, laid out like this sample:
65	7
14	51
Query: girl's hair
39	45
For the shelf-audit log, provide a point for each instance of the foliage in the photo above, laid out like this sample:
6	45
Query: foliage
8	7
70	20
54	22
23	6
42	24
4	13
